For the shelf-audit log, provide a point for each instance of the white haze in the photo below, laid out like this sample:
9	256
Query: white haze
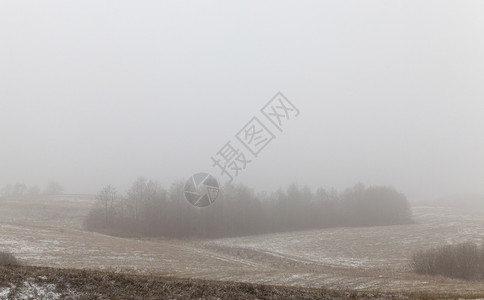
101	92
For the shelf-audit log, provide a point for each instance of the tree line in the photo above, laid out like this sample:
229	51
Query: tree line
147	209
21	190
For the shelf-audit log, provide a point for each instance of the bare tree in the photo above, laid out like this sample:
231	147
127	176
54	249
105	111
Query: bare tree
53	188
107	197
33	191
19	190
7	191
137	194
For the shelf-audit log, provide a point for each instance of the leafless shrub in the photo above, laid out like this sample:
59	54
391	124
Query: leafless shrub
8	259
465	260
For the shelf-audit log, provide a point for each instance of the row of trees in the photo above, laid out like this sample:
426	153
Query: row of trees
20	190
148	209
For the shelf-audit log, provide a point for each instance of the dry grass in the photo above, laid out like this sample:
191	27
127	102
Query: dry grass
52	283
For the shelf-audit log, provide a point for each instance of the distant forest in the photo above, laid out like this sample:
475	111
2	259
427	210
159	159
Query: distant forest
149	210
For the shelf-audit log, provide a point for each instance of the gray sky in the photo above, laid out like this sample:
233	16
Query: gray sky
100	92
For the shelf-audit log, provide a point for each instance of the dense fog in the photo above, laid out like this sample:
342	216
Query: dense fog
276	149
389	93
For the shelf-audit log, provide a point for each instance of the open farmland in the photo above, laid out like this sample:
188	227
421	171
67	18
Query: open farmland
48	233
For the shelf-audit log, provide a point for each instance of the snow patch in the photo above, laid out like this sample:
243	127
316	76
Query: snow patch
31	290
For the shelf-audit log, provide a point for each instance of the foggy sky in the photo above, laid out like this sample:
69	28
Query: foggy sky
101	92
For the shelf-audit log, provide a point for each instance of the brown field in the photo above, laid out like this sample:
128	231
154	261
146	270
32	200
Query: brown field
49	283
48	233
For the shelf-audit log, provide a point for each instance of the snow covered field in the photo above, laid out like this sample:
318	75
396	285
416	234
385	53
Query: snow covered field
368	258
